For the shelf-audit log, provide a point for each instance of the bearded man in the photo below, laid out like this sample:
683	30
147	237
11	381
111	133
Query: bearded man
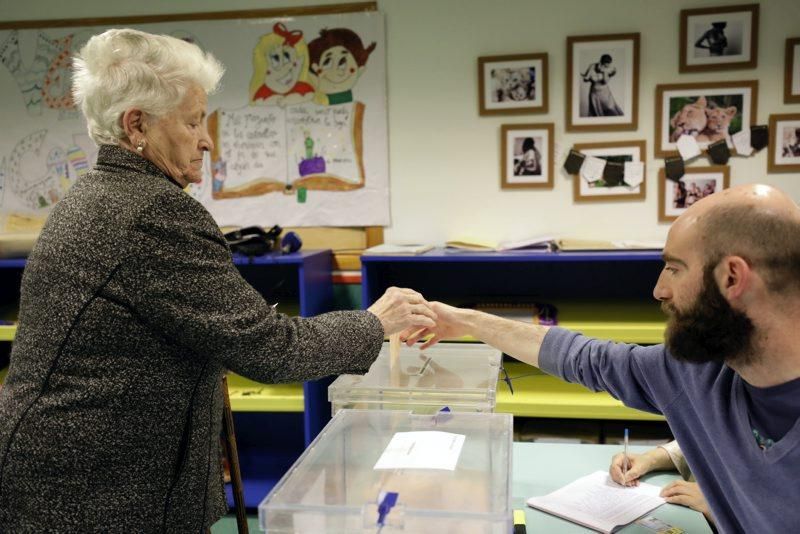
727	378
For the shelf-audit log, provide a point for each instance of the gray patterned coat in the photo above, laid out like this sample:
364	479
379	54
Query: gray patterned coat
131	311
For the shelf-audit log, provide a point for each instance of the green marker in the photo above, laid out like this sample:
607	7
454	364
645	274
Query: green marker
301	195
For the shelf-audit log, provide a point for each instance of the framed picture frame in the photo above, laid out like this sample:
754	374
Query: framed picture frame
791	76
697	182
602	82
513	85
527	152
618	151
784	151
719	38
708	111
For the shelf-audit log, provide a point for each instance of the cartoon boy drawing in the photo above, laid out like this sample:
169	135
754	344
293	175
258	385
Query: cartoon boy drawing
280	68
338	59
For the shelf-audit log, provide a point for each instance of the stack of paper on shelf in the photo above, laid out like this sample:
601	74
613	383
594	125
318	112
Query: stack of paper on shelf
540	243
575	244
388	249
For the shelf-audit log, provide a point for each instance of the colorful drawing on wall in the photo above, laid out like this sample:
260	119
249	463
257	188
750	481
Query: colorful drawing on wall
302	106
338	59
39	170
280	69
284	140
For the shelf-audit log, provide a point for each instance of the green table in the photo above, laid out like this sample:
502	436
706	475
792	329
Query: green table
540	468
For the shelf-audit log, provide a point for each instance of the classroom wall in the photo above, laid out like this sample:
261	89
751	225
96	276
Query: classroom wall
444	157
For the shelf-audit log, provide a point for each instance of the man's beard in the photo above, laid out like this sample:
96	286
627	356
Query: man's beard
711	330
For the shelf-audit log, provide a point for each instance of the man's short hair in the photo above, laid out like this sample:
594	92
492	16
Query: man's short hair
768	240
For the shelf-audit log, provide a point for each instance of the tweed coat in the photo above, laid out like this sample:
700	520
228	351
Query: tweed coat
131	311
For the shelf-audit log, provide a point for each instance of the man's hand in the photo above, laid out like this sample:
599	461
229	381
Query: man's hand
451	323
638	465
687	494
401	309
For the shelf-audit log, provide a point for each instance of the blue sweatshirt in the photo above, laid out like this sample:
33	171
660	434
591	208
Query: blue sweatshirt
748	489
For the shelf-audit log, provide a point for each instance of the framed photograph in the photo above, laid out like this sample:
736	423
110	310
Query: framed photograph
784	150
719	38
599	190
707	111
526	156
512	85
791	76
602	82
696	183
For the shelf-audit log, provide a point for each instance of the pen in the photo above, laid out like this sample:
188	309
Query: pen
625	462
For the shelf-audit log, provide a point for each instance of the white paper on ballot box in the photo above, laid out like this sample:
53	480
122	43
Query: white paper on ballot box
422	450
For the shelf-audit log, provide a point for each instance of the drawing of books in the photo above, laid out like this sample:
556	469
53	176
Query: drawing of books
260	150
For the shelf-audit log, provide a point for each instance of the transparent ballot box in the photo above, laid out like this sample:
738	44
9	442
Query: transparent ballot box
461	376
348	478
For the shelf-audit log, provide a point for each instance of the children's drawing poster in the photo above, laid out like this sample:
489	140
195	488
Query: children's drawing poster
299	125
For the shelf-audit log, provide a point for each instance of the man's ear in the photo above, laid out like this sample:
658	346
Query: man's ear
134	124
735	276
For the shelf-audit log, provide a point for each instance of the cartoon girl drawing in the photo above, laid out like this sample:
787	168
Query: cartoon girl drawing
338	59
280	69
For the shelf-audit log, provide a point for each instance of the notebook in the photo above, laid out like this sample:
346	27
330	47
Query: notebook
597	502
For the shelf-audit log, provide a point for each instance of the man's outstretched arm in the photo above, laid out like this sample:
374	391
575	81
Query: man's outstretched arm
515	338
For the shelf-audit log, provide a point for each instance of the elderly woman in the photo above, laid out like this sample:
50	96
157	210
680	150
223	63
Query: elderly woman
132	310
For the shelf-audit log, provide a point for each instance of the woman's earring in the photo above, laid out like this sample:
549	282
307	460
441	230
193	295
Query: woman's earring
140	146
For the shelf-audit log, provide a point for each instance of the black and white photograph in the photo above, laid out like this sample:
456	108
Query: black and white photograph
719	38
602	82
527	156
791	76
708	111
784	155
602	189
674	197
513	84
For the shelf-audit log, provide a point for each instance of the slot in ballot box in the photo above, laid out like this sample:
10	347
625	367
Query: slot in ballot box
461	376
338	485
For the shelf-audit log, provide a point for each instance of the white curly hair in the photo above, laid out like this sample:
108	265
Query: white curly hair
123	68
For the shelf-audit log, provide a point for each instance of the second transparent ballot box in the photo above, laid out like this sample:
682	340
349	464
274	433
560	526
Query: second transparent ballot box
460	376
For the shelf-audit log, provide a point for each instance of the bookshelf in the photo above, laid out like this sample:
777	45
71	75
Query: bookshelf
602	294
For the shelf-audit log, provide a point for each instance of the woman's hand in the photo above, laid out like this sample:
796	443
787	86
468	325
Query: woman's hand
401	309
687	494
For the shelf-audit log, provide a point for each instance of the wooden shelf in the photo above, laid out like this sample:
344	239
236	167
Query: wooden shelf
541	395
250	396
